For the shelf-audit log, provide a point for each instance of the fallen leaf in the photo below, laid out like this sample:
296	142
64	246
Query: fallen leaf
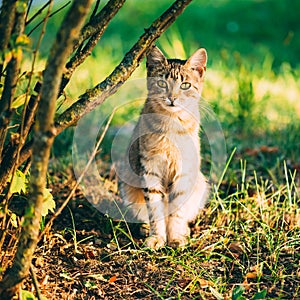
112	279
236	247
251	275
268	149
204	283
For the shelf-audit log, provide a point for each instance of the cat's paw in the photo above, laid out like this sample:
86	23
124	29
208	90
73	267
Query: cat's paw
144	230
155	242
178	242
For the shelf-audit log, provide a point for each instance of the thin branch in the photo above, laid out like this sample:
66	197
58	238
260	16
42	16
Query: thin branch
28	10
79	179
97	95
11	79
94	31
12	151
37	13
54	13
95	10
35	283
43	136
7	19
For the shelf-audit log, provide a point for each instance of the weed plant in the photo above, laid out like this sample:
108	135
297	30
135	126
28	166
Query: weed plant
245	244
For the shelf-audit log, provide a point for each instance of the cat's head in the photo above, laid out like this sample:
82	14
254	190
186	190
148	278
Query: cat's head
175	84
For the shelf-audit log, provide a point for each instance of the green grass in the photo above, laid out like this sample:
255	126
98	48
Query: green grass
246	241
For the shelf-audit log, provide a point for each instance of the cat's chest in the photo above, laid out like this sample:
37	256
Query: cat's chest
172	150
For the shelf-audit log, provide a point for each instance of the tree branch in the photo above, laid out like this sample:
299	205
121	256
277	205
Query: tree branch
92	31
7	18
13	70
43	136
97	95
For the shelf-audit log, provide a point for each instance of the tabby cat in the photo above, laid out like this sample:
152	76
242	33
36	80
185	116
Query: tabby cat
165	186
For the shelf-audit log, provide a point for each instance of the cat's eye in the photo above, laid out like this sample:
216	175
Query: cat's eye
185	85
162	84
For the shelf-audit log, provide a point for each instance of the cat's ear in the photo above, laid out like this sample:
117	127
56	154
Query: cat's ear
156	57
198	61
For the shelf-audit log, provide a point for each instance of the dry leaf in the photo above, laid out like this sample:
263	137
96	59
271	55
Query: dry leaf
268	149
112	279
251	275
204	283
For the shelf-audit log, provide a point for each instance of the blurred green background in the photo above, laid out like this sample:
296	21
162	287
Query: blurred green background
254	28
253	76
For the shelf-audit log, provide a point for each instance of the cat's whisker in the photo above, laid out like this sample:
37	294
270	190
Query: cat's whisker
164	152
205	109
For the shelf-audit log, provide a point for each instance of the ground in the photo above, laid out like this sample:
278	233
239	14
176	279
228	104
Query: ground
237	249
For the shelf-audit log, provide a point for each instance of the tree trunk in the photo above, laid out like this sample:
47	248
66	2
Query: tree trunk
44	133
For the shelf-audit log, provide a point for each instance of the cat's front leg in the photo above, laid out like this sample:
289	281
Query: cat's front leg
156	211
178	230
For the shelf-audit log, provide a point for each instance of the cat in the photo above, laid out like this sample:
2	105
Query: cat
165	186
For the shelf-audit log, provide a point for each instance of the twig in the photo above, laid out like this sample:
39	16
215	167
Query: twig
30	107
95	10
58	212
54	13
37	13
97	95
44	136
92	31
35	283
28	10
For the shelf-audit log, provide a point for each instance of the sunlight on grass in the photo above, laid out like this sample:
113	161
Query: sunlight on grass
248	235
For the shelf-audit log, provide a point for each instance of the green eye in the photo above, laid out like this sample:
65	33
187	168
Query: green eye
162	84
185	85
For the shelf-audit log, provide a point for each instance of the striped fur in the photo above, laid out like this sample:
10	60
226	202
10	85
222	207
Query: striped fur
165	150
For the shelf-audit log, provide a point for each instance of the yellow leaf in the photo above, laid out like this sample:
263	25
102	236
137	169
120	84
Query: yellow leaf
17	53
20	100
19	182
13	220
48	204
7	56
22	40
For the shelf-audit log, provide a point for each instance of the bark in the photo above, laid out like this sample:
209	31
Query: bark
13	67
44	133
94	97
97	95
92	31
7	18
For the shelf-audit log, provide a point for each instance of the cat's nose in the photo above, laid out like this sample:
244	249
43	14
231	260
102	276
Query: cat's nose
171	100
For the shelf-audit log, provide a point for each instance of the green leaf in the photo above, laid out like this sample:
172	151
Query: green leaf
21	6
26	295
237	293
260	295
19	183
48	204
